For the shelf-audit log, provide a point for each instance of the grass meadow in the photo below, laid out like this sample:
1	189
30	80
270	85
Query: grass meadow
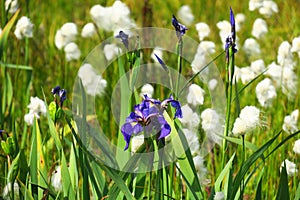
229	119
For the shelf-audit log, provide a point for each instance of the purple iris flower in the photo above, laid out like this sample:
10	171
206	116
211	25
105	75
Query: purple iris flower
161	62
230	40
62	93
180	28
124	38
148	117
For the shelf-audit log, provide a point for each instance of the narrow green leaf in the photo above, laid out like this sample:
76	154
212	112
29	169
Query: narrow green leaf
16	66
13	170
224	172
258	195
66	180
239	141
283	188
297	195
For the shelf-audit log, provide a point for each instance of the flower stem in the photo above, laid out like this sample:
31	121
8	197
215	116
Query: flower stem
179	63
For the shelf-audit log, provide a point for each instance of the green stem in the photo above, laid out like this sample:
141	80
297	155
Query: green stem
179	64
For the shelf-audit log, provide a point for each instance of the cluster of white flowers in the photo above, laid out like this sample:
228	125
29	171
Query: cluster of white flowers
211	123
265	92
65	37
291	168
37	108
189	118
225	29
205	48
12	5
296	147
296	46
266	7
111	51
94	84
114	18
147	89
24	28
247	120
290	122
185	15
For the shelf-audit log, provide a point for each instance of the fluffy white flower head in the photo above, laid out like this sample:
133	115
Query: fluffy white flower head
37	108
285	56
66	34
56	181
291	168
147	89
259	28
193	141
185	15
296	45
219	196
94	84
203	30
296	147
72	51
12	5
255	4
268	8
212	125
159	52
251	47
111	50
195	95
24	28
247	120
240	19
189	118
290	122
88	30
8	190
265	92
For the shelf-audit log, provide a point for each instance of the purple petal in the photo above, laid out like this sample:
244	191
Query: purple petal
162	63
175	104
127	131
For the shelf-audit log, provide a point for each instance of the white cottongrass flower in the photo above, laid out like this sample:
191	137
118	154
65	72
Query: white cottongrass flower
296	147
72	51
8	190
94	84
111	50
147	89
208	47
285	57
56	181
88	30
203	30
245	74
192	140
255	4
268	8
291	168
159	52
200	167
290	122
136	142
212	125
185	15
219	196
251	47
12	5
296	45
265	92
258	66
113	18
240	19
259	28
247	120
195	95
189	118
225	29
24	28
66	34
205	48
212	84
37	108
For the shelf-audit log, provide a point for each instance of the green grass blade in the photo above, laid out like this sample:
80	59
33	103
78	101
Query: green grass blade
16	66
297	195
239	141
283	188
225	172
258	195
66	180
